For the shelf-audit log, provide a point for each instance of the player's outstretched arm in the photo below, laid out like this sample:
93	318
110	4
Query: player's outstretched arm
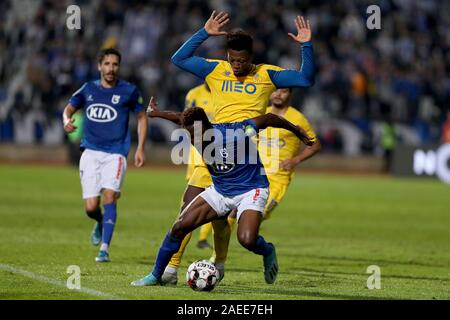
305	76
68	112
272	120
184	57
153	112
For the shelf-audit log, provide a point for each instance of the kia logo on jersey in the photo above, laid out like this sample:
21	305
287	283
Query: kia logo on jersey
100	112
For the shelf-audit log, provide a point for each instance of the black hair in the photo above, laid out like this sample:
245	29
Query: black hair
239	40
108	51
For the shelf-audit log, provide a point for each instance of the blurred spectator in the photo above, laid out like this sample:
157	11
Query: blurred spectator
388	142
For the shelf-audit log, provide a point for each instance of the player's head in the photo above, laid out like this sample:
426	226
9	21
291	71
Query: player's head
280	98
240	51
109	64
192	115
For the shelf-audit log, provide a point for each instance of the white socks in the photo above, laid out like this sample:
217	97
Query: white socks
170	270
104	247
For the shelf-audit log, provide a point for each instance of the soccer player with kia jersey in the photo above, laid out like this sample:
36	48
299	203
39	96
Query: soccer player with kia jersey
107	103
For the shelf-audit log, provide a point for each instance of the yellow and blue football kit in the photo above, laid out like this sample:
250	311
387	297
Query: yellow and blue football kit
234	98
277	145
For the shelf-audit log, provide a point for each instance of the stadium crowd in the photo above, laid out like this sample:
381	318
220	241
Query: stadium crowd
400	73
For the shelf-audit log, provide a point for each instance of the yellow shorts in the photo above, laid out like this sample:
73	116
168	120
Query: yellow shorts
277	191
200	178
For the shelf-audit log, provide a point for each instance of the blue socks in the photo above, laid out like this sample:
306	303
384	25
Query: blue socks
169	246
109	222
262	247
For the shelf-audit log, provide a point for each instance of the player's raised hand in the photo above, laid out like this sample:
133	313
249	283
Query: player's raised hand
69	126
152	106
215	23
303	30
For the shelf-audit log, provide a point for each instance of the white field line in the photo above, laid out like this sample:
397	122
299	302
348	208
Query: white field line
58	283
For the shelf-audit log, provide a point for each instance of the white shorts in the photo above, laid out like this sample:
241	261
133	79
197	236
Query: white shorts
100	170
252	200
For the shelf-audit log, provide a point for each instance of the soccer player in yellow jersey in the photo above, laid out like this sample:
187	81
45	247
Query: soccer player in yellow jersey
240	90
289	152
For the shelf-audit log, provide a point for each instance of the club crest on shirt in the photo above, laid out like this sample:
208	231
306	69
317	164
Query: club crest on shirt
115	98
223	152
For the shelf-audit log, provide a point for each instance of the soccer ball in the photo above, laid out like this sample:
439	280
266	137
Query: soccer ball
202	275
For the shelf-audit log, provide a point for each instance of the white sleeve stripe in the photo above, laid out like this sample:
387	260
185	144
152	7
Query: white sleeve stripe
78	91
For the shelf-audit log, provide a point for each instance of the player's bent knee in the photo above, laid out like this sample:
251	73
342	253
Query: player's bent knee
110	197
247	241
91	207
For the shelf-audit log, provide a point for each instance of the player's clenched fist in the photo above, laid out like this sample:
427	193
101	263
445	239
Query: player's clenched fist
68	125
152	107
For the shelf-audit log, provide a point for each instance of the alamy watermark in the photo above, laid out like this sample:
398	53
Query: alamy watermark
74	280
374	19
73	21
374	280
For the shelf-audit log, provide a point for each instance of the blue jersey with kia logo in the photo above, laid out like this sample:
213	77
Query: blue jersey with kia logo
106	115
232	158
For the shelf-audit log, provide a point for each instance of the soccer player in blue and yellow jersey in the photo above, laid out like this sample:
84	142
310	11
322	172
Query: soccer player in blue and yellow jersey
240	90
107	103
239	183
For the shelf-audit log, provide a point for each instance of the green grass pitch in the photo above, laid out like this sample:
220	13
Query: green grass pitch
328	231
